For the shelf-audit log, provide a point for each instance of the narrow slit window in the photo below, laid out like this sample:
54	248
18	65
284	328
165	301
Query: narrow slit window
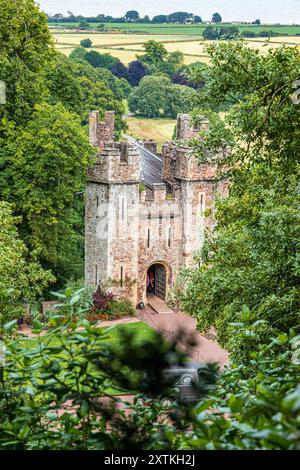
169	237
97	205
148	239
202	204
123	208
122	276
149	216
160	225
96	274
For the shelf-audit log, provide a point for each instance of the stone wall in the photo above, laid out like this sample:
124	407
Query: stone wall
101	132
180	164
127	229
150	145
116	162
185	129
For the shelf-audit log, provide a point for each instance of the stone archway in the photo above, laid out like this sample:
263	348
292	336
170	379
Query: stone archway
157	280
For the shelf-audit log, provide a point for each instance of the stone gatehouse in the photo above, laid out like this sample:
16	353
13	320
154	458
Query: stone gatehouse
145	213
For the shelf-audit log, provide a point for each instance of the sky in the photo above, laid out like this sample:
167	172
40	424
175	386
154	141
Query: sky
269	11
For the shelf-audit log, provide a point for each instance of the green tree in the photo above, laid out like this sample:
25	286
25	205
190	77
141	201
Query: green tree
44	165
81	87
105	60
146	20
179	99
210	33
125	88
252	257
63	85
26	49
197	19
155	52
157	96
222	33
84	25
132	15
36	74
78	54
101	27
86	43
19	272
149	97
64	367
179	17
216	18
159	19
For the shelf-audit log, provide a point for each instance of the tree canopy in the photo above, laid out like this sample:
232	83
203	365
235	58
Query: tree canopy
44	149
157	96
251	258
217	18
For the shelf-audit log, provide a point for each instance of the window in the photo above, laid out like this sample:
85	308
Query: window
122	277
202	204
96	274
169	237
97	206
149	216
148	239
123	208
172	216
160	225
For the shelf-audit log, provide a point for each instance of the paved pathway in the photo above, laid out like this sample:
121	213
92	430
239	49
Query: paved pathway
158	305
170	325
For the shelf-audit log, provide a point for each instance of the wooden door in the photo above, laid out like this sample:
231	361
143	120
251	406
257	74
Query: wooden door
160	281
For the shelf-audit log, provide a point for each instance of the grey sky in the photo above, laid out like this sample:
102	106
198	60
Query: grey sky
269	11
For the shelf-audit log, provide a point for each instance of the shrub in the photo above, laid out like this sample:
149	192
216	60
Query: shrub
106	307
120	309
84	25
101	301
86	43
248	34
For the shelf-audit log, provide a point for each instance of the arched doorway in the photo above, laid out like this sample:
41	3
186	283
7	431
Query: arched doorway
156	281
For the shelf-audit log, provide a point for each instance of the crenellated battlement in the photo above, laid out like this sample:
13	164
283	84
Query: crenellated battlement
158	193
178	161
149	144
117	162
180	164
186	129
101	132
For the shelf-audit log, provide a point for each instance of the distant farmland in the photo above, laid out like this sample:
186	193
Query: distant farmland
126	45
197	29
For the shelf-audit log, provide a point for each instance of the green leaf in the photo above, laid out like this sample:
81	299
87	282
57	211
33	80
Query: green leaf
8	326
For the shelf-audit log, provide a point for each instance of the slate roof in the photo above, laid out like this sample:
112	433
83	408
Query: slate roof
151	167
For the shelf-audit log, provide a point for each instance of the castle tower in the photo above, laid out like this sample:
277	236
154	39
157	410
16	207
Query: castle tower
135	231
111	212
198	183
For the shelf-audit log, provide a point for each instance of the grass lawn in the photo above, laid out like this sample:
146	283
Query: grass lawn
160	130
142	333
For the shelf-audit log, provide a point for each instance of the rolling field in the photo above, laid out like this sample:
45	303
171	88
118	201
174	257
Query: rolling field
184	29
186	38
114	39
160	130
